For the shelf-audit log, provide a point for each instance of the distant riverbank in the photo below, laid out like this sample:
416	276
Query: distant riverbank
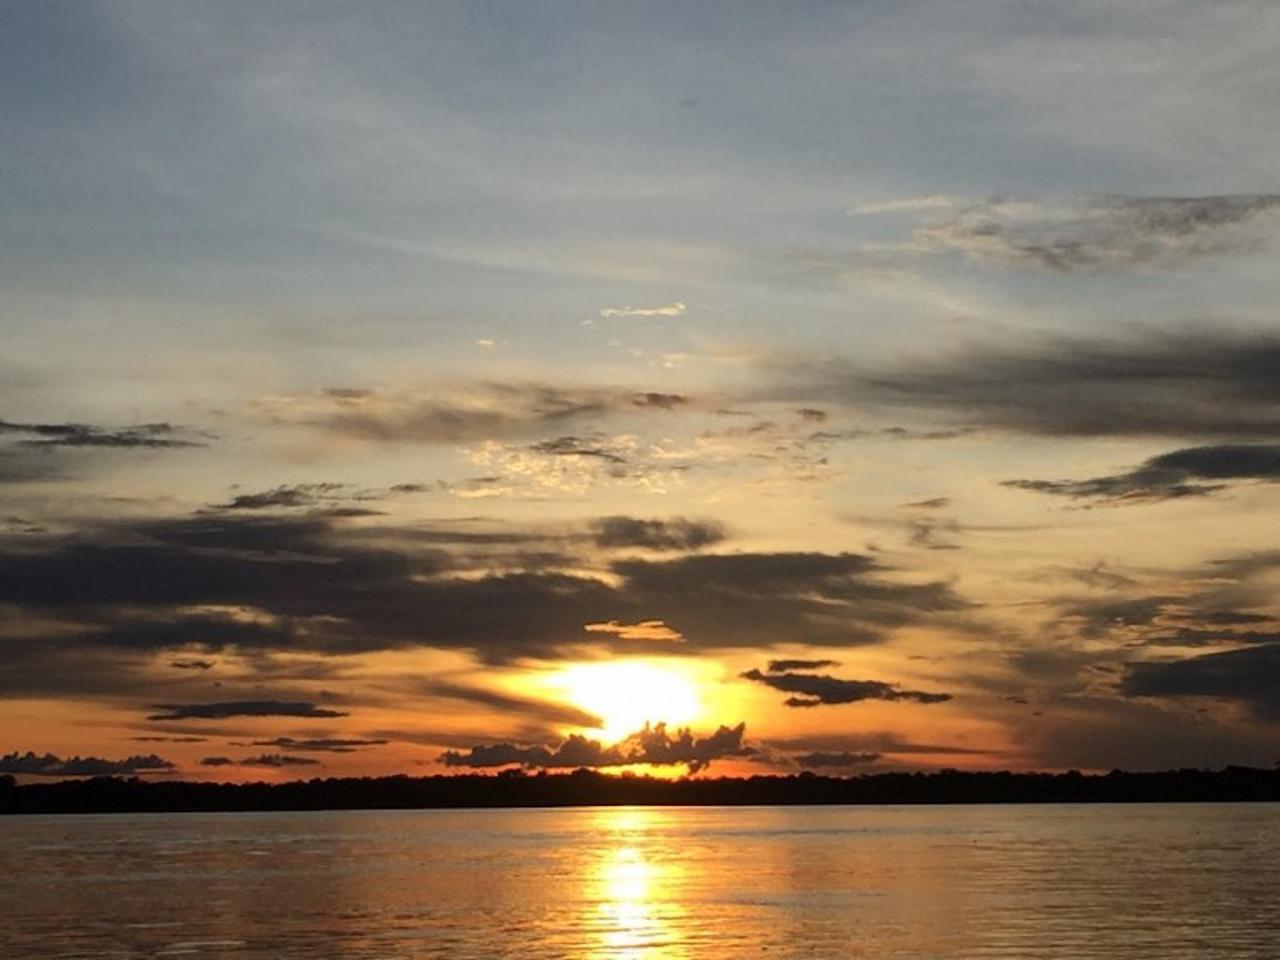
589	788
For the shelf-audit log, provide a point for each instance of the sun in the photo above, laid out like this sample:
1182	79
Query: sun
627	694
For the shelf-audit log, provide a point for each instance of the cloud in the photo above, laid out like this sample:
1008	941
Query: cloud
239	581
320	745
192	664
38	452
543	710
278	760
1250	676
49	765
782	666
676	533
296	495
1170	476
675	309
461	414
27	465
1219	604
818	689
653	745
659	401
216	762
1107	233
144	435
930	201
933	503
844	759
654	630
571	446
574	463
767	599
241	708
1219	384
882	743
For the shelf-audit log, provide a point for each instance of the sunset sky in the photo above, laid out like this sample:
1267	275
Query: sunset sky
428	388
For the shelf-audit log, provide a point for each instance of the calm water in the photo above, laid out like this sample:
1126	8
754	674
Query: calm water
1086	883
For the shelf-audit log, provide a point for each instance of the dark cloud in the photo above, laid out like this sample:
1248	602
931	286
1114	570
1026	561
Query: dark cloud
934	503
148	435
1107	233
662	401
818	689
465	414
1097	617
169	739
278	760
192	664
1107	732
241	708
26	465
572	446
1219	384
48	765
1250	676
307	585
543	710
1192	620
196	560
216	762
818	760
887	744
783	666
296	495
653	745
38	451
320	745
1171	476
674	534
766	599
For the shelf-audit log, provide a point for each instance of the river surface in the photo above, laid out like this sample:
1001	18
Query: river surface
1079	882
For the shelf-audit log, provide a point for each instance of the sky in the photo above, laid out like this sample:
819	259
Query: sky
671	388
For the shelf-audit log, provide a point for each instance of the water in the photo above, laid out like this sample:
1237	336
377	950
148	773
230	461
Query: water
1078	882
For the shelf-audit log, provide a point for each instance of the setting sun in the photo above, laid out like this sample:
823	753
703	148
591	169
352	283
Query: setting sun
627	694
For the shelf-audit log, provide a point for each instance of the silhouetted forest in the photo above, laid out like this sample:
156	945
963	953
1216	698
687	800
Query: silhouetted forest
589	788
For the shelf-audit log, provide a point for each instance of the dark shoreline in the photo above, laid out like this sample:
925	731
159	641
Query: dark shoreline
588	788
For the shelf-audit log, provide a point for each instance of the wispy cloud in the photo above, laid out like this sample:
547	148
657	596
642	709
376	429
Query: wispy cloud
674	309
812	690
1107	233
241	708
146	435
1170	476
1209	383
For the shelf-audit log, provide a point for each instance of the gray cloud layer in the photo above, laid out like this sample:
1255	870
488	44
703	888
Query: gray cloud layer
674	534
1250	676
241	708
1218	384
1171	476
146	435
817	689
485	411
1108	233
147	587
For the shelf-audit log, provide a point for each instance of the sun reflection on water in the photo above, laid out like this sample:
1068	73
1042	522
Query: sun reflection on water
633	893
